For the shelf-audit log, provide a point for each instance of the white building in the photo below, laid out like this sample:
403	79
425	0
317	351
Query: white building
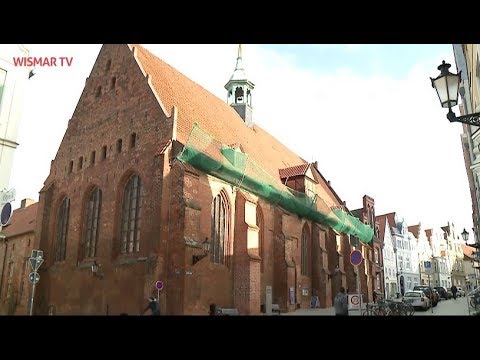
424	251
13	81
389	263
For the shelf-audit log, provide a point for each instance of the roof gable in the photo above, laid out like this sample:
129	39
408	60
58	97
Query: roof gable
23	221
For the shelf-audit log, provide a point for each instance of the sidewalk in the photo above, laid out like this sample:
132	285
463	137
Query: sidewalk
330	311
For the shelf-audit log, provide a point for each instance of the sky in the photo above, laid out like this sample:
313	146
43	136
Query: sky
366	112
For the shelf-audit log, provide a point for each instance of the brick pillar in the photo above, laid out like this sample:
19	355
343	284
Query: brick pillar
246	272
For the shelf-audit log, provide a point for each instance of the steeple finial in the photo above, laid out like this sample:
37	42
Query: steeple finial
239	65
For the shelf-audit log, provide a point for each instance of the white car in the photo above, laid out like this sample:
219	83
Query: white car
417	298
460	291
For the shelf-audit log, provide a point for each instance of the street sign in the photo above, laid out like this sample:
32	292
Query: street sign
35	263
353	301
34	277
159	285
5	213
7	196
427	264
356	257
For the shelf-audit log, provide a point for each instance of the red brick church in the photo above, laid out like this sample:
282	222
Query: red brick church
158	179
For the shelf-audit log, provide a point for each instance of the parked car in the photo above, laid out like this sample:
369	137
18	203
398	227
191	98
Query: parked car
443	292
460	291
429	292
417	298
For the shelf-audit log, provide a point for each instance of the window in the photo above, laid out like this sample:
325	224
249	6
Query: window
305	251
119	145
338	241
261	245
310	189
92	222
104	152
92	158
62	230
3	77
70	166
219	229
376	257
377	282
407	263
133	140
130	225
80	163
113	82
108	65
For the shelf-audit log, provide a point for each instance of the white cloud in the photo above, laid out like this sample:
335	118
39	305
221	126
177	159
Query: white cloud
380	136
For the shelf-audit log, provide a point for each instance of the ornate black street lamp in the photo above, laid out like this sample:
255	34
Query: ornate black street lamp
447	84
465	235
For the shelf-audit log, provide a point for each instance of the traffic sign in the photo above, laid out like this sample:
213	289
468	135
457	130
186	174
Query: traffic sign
427	264
5	213
35	263
353	301
159	285
356	257
34	277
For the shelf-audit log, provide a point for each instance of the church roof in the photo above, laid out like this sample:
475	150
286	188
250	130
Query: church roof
195	104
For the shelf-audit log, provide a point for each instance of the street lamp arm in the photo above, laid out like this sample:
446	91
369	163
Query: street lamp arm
471	119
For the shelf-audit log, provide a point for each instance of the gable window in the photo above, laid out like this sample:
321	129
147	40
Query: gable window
305	251
133	140
130	224
92	222
119	145
62	230
219	229
92	158
104	152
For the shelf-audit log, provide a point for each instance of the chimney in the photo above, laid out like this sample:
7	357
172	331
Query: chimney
26	202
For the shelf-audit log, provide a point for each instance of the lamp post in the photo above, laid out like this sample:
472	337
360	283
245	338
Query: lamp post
206	250
447	84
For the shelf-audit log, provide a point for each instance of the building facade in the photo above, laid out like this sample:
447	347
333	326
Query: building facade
389	257
372	268
158	179
13	82
15	249
467	58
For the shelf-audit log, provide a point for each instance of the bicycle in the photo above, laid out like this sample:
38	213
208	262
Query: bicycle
474	301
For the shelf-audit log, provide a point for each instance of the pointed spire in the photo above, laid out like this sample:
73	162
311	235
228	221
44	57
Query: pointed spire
239	72
239	65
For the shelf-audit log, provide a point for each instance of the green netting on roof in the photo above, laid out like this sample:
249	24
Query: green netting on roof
228	163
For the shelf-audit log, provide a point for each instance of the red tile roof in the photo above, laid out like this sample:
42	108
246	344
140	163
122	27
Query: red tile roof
293	171
213	115
382	220
468	251
23	221
415	230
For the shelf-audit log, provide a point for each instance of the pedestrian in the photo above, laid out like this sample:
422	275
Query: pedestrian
454	291
153	305
341	303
